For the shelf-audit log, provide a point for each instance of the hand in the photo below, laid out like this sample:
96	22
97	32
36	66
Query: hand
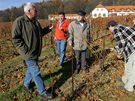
70	44
50	26
119	56
112	49
55	38
60	28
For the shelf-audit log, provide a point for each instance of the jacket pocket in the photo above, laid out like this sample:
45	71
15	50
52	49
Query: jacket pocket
23	50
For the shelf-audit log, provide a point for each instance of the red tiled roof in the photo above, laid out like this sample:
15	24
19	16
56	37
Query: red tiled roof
53	15
100	6
117	8
121	8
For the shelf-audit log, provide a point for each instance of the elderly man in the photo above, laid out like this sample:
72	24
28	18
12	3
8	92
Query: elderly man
79	35
125	46
27	38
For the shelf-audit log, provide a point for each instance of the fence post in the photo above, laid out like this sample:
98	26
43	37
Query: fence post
103	54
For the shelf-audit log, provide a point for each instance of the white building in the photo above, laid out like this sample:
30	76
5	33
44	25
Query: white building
68	16
100	11
106	11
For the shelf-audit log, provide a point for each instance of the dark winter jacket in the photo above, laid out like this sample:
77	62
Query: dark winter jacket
27	37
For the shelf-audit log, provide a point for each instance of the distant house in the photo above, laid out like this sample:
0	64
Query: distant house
106	11
56	17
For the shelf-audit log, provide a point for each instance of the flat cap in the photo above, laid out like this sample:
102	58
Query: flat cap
81	13
111	23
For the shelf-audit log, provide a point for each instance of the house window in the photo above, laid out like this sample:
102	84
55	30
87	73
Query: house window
95	15
104	15
97	9
99	15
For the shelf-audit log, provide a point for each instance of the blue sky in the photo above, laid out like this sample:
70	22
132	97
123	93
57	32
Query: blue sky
4	4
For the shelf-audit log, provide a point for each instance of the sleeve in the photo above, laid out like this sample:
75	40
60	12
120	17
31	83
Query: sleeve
89	37
70	34
45	30
17	39
56	28
65	29
120	41
133	27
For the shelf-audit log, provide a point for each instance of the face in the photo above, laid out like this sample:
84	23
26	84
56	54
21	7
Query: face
134	20
79	18
33	12
61	17
111	28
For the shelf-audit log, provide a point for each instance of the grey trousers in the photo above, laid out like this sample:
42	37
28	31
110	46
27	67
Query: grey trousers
129	73
80	57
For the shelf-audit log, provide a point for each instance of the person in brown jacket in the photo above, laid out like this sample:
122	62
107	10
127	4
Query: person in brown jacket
79	35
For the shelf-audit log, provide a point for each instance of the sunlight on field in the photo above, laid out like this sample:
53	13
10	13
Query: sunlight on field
98	85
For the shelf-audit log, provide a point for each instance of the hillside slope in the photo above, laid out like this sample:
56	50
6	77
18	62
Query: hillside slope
98	84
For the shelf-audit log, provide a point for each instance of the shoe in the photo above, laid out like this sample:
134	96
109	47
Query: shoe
124	79
84	68
46	97
62	64
28	90
84	71
119	79
76	71
124	89
65	60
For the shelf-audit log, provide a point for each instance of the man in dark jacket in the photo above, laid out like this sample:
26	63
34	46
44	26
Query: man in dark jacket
27	38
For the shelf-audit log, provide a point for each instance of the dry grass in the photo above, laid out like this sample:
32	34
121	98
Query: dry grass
99	84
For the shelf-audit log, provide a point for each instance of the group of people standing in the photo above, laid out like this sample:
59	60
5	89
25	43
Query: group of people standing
77	35
27	36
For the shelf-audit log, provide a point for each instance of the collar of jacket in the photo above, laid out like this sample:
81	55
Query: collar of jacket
27	19
62	21
85	24
77	22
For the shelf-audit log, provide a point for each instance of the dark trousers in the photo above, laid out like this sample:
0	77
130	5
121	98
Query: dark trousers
80	57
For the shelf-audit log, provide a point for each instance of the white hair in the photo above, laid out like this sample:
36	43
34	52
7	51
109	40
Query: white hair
28	6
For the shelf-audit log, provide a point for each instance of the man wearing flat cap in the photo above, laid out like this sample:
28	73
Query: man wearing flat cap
79	35
125	46
81	13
